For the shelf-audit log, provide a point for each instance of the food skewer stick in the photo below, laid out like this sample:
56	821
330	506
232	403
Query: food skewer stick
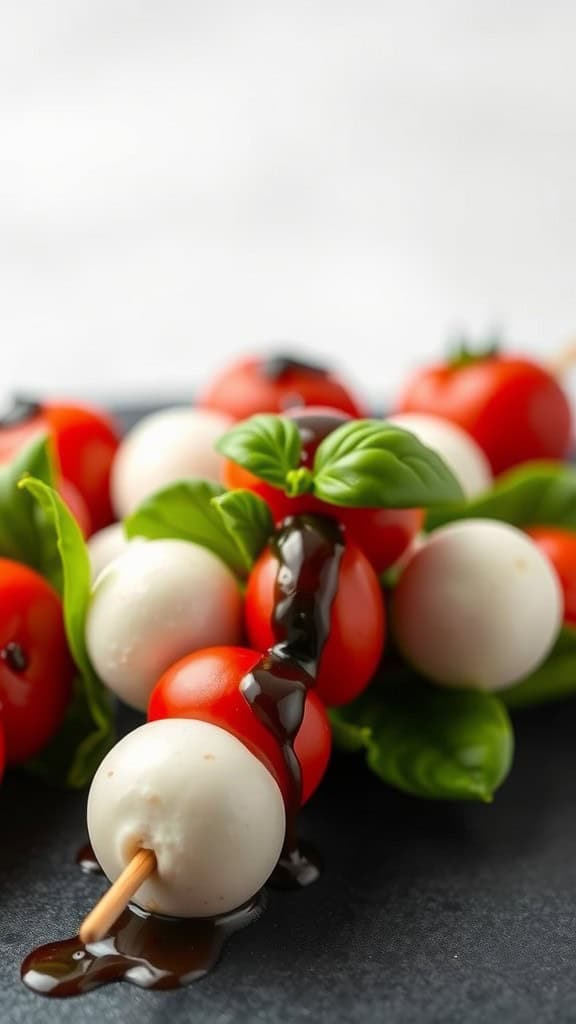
99	921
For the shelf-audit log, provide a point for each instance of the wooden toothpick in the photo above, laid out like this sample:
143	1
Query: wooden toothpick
98	922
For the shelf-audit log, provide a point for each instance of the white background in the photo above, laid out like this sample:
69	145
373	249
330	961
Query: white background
181	181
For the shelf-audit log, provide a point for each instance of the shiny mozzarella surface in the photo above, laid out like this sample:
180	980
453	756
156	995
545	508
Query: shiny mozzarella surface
156	602
460	452
477	606
165	447
105	545
210	810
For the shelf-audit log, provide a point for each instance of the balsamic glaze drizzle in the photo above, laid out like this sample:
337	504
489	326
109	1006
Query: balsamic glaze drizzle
160	952
308	549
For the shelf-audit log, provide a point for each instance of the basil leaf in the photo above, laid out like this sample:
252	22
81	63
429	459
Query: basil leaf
432	743
535	494
248	519
268	446
185	511
24	535
372	464
88	730
553	680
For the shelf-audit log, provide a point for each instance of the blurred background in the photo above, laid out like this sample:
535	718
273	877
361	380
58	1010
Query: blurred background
183	181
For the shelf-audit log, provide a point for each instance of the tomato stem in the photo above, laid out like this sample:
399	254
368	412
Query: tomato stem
298	481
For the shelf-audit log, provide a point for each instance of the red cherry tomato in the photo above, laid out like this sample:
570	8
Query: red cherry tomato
77	506
86	443
560	547
206	686
36	671
513	408
357	624
382	534
273	385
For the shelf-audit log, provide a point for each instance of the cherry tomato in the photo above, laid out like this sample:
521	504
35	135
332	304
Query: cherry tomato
206	686
513	408
76	504
382	534
36	671
560	547
357	624
273	385
85	442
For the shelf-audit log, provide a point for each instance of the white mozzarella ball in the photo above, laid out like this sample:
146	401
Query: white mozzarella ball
207	807
458	449
105	545
156	602
165	447
477	606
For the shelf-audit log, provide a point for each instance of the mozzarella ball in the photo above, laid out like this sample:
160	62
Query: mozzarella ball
166	446
156	602
458	449
207	807
478	606
105	545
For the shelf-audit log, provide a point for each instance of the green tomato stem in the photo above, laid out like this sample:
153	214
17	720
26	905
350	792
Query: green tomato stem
298	481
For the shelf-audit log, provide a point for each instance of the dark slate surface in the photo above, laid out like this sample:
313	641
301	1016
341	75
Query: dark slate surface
426	912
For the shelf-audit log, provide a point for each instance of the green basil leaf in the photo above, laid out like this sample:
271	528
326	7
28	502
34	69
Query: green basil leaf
88	729
372	464
553	680
248	519
535	494
432	743
268	446
185	511
24	534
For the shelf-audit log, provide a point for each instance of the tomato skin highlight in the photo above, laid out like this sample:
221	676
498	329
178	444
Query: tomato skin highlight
244	389
206	686
36	670
560	547
357	624
382	534
513	408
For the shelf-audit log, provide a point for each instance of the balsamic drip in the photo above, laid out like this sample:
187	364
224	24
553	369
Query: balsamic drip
19	411
275	366
159	952
15	657
308	549
144	949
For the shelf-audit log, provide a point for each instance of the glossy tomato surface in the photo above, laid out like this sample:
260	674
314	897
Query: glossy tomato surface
36	671
206	686
86	443
382	534
274	385
559	546
357	624
513	408
76	505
